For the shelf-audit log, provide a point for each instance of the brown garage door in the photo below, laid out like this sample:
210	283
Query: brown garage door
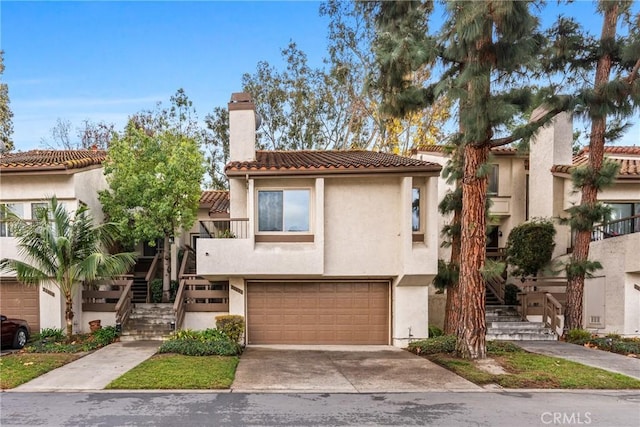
20	301
318	313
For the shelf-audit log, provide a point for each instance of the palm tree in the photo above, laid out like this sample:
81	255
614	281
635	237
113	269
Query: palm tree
64	249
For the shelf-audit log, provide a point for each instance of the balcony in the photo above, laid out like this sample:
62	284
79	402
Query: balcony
616	228
229	247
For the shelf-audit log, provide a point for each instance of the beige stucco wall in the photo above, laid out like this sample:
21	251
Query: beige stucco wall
618	257
547	195
410	314
52	307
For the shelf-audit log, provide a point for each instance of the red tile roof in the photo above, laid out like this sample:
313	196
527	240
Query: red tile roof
322	162
50	160
627	157
504	150
216	200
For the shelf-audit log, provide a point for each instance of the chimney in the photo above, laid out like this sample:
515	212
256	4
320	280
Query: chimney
242	127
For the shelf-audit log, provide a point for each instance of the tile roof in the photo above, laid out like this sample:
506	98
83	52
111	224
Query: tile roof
627	157
50	160
216	200
314	162
503	150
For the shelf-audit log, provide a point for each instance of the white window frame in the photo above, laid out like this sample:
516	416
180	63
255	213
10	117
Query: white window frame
5	230
284	189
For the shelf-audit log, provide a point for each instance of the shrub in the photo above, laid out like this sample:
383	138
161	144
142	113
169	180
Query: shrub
54	334
434	331
578	336
530	246
190	347
156	290
231	325
209	342
498	347
105	335
511	294
441	344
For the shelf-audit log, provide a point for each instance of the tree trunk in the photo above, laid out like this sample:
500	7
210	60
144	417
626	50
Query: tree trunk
68	314
575	285
472	327
166	268
453	304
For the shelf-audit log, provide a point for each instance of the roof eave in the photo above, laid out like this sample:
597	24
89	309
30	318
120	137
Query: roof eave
407	170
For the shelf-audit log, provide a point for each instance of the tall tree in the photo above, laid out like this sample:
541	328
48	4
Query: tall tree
90	135
154	170
613	64
6	115
66	249
487	49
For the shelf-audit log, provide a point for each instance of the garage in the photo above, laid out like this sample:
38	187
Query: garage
345	312
20	301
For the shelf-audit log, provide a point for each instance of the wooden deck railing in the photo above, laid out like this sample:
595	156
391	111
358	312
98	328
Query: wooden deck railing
544	297
178	305
123	307
108	294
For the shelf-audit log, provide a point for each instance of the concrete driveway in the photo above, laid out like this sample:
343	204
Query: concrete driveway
341	369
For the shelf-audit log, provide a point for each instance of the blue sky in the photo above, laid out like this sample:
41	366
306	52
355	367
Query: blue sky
105	60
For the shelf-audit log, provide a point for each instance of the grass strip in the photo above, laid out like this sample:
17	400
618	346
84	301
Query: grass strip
175	371
19	368
528	370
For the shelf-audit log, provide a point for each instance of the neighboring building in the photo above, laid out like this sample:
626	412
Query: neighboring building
324	247
538	184
27	180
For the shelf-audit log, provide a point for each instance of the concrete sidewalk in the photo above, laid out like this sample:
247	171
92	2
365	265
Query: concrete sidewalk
629	366
94	371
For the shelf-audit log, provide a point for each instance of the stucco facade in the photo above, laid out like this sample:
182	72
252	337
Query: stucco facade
75	178
359	229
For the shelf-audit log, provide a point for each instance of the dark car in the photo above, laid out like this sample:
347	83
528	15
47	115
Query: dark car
15	332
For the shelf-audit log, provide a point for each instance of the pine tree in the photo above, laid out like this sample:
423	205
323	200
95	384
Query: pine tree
488	49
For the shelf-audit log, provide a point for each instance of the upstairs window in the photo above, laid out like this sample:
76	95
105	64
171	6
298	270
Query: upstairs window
415	210
492	188
5	208
283	210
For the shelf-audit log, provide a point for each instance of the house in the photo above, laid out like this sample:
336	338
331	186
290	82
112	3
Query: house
321	247
537	184
27	180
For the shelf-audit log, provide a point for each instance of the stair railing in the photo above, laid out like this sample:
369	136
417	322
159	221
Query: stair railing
123	307
496	285
178	304
551	313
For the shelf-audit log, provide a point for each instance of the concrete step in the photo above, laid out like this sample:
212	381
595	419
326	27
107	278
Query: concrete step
143	337
521	336
503	319
517	325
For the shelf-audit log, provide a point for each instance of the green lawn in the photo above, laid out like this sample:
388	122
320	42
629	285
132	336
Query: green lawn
174	371
527	370
18	368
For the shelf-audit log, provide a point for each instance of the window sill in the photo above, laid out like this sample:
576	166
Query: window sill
277	238
417	237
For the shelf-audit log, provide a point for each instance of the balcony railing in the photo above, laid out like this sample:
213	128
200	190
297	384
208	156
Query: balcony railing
619	227
225	229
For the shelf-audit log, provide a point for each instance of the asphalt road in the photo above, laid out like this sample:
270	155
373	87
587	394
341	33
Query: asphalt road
585	408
